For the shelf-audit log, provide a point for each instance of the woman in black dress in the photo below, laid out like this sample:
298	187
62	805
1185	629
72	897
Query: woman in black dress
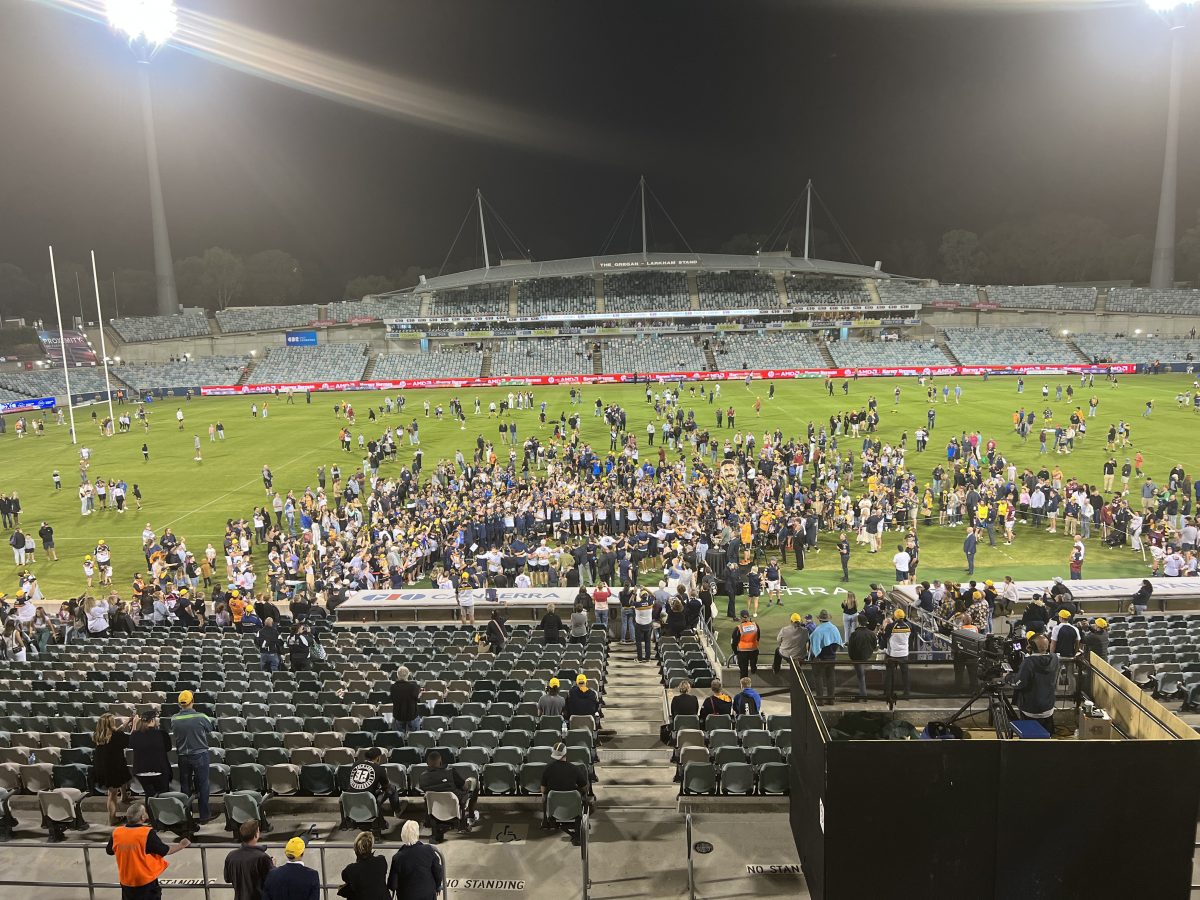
366	877
108	761
150	745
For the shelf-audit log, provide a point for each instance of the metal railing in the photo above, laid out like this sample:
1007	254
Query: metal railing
584	839
91	885
687	819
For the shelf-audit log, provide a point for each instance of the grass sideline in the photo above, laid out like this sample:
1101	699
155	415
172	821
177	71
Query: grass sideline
196	498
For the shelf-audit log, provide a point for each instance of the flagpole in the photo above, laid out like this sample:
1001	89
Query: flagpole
62	348
112	419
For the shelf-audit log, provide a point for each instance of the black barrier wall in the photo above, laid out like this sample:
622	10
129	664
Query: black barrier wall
1033	820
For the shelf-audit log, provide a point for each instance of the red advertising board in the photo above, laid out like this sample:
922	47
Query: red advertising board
402	384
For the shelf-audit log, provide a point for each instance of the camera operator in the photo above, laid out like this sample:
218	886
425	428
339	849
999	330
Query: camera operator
1034	682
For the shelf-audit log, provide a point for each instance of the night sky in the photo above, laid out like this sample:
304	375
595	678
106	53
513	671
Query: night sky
912	119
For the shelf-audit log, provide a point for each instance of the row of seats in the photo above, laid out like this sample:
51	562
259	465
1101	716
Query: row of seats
327	362
736	290
53	383
240	319
893	292
202	370
471	302
657	353
803	290
1137	350
1008	346
768	350
859	354
646	292
398	306
557	296
1041	296
444	363
1155	302
189	323
546	356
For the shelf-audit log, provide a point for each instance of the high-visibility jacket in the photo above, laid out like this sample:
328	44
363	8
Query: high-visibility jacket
747	636
135	867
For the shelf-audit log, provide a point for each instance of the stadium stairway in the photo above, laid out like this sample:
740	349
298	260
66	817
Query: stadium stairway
944	346
1083	357
710	359
872	287
485	364
369	371
826	355
1101	299
633	770
247	373
597	361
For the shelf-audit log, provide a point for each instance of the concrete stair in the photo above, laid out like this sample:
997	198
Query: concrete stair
1083	357
940	340
826	355
634	769
710	360
485	366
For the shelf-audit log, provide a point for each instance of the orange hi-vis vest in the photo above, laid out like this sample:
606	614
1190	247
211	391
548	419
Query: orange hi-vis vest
748	636
135	867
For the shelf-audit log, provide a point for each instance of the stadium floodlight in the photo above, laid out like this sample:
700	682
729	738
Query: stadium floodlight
147	24
1162	270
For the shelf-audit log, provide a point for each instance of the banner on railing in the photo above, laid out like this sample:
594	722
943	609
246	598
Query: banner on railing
403	384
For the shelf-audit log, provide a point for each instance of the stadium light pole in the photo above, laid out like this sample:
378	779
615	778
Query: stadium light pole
147	25
1162	271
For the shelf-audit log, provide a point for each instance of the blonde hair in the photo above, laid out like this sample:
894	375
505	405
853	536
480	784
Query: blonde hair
685	687
402	673
106	727
410	833
364	844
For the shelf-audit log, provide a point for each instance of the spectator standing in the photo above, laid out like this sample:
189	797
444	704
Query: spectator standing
140	855
897	640
823	646
270	646
191	730
416	870
293	880
405	705
247	867
150	745
365	878
551	626
579	625
108	762
744	643
861	647
643	624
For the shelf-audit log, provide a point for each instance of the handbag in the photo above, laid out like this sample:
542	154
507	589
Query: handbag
317	651
664	733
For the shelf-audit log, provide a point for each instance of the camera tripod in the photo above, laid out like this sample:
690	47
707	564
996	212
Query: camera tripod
1000	709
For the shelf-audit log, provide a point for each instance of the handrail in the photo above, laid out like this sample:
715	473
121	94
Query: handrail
583	852
91	885
687	818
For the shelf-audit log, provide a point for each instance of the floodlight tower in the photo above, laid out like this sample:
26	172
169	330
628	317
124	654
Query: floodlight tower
147	25
1162	272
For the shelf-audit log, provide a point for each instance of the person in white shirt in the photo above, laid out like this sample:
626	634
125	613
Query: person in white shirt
901	562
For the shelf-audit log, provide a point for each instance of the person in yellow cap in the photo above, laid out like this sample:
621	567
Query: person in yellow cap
582	700
1064	636
898	638
552	703
191	730
293	880
792	643
1095	640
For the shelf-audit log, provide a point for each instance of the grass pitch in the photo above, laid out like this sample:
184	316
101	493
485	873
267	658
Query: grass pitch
195	498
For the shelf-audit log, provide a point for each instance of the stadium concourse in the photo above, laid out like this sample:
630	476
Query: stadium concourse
688	528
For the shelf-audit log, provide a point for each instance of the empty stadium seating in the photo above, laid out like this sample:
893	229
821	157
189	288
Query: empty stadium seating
328	362
1008	346
769	350
660	353
855	353
52	383
736	290
1158	652
1144	300
446	363
299	732
548	356
189	323
1137	350
471	302
1042	296
646	292
805	291
557	296
144	377
903	292
394	307
265	318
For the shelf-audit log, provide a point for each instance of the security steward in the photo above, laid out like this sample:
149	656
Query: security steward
744	642
140	855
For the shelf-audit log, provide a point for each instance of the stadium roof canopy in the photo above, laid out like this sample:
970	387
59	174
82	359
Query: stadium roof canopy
637	262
